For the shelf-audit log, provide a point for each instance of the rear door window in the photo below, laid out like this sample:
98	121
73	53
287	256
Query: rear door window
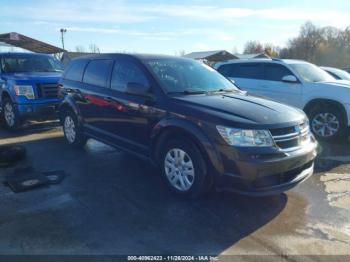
125	72
75	70
274	72
246	70
250	70
97	72
229	70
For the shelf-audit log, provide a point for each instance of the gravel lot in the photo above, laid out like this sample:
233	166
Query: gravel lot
113	203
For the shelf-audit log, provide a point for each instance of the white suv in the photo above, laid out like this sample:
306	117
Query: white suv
298	83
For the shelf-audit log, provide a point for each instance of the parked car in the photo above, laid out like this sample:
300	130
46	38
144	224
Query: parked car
347	69
325	100
189	120
28	87
337	73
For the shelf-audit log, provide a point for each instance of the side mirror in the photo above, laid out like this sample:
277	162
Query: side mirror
289	79
137	89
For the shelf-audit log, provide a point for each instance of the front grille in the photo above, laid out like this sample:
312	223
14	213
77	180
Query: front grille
291	138
47	90
282	131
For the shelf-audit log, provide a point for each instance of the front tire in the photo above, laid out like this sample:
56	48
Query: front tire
10	115
184	169
327	124
72	131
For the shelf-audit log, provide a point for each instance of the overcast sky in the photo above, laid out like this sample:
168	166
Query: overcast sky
168	26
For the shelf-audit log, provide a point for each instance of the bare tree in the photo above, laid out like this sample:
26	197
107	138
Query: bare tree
80	49
94	49
234	50
181	52
253	47
320	45
271	50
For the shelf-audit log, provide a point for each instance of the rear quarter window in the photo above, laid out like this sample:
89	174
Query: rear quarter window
75	70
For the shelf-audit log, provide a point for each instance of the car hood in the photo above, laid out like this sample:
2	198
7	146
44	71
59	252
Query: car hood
33	76
243	108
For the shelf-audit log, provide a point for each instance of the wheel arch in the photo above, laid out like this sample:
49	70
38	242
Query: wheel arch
68	104
5	95
323	102
172	128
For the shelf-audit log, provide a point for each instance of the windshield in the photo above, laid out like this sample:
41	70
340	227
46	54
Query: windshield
181	76
312	73
30	63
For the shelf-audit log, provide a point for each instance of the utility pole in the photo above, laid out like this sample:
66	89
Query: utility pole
63	31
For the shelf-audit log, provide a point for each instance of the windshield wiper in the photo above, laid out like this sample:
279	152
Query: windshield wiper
200	92
48	70
222	90
189	92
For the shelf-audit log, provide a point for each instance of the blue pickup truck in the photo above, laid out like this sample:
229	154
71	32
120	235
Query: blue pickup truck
28	87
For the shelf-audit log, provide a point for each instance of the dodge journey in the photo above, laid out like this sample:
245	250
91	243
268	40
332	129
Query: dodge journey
189	120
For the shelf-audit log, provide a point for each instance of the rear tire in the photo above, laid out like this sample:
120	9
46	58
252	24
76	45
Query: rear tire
72	130
183	168
10	115
327	123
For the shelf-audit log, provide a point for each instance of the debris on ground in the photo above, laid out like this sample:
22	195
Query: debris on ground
24	179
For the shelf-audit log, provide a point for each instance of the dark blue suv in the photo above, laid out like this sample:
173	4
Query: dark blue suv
28	87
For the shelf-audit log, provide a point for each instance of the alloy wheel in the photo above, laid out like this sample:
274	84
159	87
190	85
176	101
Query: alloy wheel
325	124
9	114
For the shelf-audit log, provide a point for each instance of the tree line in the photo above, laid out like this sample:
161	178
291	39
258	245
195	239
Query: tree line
327	46
93	48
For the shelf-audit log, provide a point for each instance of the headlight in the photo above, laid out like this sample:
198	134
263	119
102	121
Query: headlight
248	138
26	91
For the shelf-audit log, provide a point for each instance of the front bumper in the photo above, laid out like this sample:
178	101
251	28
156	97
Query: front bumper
269	174
38	111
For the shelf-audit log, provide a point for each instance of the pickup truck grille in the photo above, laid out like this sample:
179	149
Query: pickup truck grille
47	90
291	138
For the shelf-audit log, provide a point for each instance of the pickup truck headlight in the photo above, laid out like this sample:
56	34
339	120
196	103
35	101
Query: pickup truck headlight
24	90
245	138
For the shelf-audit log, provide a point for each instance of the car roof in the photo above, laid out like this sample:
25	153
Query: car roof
137	56
262	60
